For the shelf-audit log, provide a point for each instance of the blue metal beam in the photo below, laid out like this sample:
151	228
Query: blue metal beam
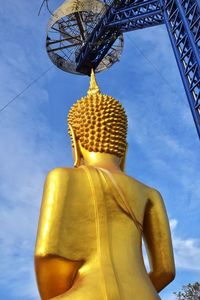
182	19
144	13
139	15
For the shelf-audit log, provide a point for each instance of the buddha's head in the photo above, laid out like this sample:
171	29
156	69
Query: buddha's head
98	123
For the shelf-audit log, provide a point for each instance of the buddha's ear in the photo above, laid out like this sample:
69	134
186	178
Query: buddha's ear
76	148
123	159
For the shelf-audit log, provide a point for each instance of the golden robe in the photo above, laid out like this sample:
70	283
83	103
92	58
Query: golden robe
100	227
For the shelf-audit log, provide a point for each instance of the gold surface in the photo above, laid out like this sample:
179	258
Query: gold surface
92	222
93	89
99	122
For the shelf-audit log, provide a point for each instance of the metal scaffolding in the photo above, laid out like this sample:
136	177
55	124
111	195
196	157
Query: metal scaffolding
88	34
182	19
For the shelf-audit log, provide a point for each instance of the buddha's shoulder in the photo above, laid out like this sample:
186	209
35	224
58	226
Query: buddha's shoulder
139	184
62	173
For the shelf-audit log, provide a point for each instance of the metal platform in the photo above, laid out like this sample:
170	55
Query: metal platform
68	30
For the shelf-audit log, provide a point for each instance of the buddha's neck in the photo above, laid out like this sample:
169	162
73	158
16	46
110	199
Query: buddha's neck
102	160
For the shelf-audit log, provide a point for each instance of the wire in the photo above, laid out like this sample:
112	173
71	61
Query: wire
25	89
152	64
47	6
41	6
46	71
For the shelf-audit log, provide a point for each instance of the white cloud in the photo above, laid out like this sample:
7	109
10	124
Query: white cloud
169	297
173	224
187	251
26	154
29	149
23	170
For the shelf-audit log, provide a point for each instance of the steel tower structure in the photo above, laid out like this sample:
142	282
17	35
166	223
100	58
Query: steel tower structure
182	19
88	34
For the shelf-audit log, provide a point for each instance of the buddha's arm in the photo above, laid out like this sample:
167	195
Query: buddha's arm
54	272
158	242
55	275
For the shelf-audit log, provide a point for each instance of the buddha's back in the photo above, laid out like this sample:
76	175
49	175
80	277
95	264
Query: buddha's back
89	242
98	231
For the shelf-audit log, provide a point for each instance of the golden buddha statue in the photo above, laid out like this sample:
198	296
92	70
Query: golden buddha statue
93	217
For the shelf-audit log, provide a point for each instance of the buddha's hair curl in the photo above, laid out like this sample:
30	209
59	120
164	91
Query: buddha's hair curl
100	124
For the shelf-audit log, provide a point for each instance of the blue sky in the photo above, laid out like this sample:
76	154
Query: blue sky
163	143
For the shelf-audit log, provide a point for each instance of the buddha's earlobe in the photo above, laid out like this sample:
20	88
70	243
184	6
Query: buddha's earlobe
76	149
123	159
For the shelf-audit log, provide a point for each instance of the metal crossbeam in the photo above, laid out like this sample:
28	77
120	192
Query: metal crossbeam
142	14
182	19
138	16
